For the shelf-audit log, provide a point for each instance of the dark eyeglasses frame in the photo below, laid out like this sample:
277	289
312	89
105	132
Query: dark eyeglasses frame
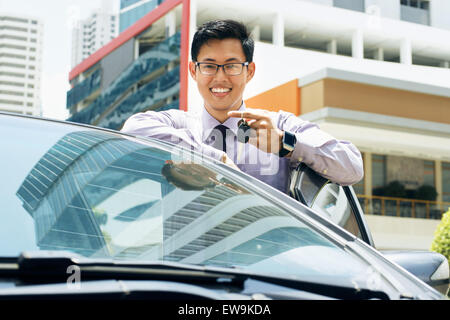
197	64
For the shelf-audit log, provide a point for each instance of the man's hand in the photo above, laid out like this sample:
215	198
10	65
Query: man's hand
266	136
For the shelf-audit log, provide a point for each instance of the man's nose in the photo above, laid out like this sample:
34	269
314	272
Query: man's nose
220	74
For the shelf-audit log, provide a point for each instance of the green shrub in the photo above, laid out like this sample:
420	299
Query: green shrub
441	241
426	192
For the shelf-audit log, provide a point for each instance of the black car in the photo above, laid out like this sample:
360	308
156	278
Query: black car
90	212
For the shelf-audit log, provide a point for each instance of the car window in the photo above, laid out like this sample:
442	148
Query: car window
332	203
102	194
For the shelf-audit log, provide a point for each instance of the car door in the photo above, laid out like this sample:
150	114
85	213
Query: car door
332	201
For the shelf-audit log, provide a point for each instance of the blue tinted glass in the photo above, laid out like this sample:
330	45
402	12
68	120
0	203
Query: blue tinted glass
130	17
152	60
159	89
84	89
126	3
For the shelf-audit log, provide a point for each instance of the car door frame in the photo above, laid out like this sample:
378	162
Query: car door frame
303	177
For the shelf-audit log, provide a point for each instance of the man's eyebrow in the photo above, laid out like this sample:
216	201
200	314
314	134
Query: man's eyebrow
214	60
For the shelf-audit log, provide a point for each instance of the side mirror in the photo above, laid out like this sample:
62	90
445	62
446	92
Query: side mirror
305	184
430	267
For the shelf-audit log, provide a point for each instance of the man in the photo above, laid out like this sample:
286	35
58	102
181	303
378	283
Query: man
222	64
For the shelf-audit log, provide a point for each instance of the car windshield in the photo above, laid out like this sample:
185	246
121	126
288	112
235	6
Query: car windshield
104	195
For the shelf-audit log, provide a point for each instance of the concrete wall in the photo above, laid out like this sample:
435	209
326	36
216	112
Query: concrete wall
440	14
385	8
393	233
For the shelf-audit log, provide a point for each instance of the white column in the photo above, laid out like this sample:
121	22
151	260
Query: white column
332	46
358	44
192	20
406	52
368	173
379	54
256	33
278	30
171	23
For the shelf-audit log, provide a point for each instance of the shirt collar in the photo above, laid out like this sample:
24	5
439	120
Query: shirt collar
209	122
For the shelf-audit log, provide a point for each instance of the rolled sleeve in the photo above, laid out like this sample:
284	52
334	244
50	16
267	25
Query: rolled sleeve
337	160
170	126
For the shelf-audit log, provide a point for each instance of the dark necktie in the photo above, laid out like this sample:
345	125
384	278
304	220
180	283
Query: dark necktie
220	135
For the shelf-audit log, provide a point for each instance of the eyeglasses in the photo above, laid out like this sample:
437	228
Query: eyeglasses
230	69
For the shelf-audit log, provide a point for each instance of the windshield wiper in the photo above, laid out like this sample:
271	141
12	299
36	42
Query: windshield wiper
52	266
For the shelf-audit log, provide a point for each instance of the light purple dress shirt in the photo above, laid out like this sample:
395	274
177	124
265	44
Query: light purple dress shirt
340	161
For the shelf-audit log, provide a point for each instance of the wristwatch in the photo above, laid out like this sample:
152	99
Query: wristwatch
288	143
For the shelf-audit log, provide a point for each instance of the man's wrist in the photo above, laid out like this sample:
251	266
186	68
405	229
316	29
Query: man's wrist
287	144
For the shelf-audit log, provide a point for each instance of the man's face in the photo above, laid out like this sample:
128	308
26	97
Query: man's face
222	92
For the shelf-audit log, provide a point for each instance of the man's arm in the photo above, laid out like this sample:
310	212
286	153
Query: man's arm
337	160
170	126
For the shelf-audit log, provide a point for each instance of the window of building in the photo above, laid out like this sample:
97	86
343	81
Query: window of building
428	174
16	103
446	181
356	5
422	4
416	11
12	93
12	74
378	171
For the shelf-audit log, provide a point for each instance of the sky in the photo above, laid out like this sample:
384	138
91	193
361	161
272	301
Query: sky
58	17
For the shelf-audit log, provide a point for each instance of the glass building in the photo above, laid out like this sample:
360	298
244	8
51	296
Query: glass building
133	10
135	72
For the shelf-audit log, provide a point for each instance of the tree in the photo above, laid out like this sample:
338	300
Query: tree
441	241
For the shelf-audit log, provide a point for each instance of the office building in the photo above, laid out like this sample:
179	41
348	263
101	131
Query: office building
94	32
20	64
370	71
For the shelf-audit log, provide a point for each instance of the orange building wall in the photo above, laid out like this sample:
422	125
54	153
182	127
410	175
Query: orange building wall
285	97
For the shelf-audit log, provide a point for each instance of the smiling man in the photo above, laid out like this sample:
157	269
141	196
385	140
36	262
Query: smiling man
222	65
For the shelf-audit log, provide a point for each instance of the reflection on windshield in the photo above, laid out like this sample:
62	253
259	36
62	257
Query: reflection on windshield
101	195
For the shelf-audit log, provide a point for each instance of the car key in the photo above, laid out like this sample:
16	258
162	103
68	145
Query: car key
243	134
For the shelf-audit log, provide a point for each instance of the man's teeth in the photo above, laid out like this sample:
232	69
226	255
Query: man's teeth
220	90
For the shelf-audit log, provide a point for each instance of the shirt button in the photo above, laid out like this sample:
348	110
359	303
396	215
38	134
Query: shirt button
325	171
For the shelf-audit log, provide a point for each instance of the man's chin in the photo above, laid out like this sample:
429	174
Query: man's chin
224	107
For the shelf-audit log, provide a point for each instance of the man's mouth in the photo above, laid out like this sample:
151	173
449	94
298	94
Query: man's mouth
220	91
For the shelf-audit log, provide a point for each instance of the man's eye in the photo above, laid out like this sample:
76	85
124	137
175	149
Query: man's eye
231	66
209	66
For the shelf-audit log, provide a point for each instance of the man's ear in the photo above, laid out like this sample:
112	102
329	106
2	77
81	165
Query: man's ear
192	70
250	71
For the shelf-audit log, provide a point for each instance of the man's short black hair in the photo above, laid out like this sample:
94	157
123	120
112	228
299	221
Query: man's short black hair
223	29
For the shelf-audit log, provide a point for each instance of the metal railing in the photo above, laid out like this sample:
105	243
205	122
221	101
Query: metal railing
402	207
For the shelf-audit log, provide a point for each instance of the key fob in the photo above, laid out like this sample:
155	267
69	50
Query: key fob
243	134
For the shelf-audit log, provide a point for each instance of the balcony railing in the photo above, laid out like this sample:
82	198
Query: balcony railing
401	207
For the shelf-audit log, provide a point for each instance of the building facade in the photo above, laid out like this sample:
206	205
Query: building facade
372	72
91	34
133	10
20	64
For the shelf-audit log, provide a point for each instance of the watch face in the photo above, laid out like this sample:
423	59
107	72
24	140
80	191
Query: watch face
289	140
